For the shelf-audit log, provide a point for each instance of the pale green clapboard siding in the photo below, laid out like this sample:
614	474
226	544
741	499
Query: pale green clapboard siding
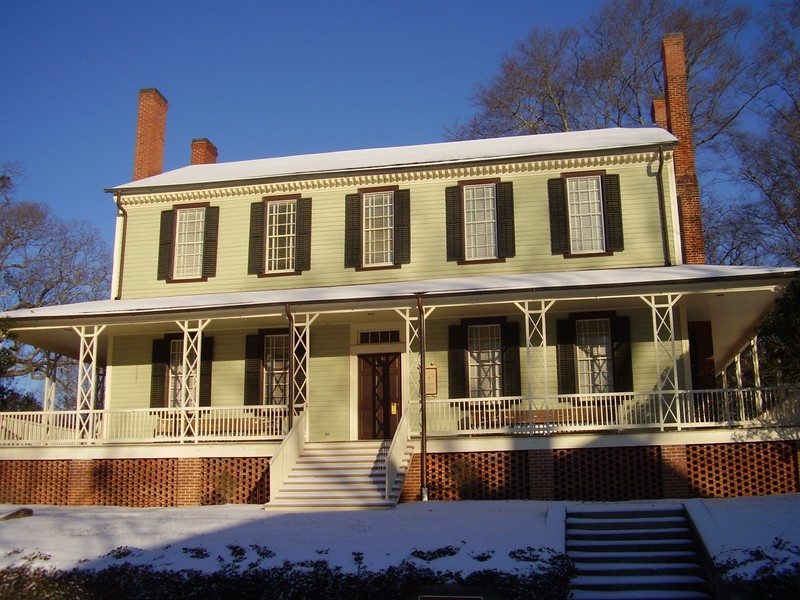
641	224
329	386
129	385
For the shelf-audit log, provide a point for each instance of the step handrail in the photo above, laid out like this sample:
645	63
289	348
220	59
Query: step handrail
396	454
284	460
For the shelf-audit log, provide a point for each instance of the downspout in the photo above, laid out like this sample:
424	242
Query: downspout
422	396
662	210
292	369
122	244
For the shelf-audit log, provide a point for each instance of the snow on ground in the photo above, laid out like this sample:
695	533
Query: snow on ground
480	535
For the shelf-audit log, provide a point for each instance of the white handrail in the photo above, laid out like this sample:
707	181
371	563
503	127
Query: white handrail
283	461
397	450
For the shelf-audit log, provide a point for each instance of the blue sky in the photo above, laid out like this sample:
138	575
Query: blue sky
258	79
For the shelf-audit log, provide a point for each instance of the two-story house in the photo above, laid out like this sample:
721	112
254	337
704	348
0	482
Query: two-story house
526	317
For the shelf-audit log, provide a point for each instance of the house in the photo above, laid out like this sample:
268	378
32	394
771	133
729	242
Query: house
526	317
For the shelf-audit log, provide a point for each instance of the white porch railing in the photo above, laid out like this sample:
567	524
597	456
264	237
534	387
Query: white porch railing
191	425
778	406
283	461
396	454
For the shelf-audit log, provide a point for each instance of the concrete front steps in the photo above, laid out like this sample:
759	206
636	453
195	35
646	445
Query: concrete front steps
635	554
339	476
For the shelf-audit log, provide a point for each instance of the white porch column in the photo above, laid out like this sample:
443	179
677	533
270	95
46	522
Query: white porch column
756	364
536	338
50	386
189	396
87	379
299	335
413	367
666	356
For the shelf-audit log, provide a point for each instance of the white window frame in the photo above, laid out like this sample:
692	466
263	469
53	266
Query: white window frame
485	360
189	241
594	355
480	221
280	235
276	369
585	215
377	227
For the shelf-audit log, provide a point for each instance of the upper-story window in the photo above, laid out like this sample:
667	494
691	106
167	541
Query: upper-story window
377	228
280	236
188	243
484	353
480	221
593	355
585	214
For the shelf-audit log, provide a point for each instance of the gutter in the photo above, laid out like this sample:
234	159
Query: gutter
122	244
662	209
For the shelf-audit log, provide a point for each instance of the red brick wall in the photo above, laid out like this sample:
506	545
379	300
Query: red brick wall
151	129
140	482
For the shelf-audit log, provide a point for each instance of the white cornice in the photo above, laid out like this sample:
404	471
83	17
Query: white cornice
310	184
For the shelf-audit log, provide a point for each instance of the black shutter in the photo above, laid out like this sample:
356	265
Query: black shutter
255	256
457	362
559	226
512	382
622	361
565	355
253	355
206	362
158	376
402	227
165	244
506	245
454	223
612	209
210	236
352	231
302	257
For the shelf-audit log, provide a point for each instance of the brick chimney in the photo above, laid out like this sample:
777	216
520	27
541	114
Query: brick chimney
203	152
676	116
151	128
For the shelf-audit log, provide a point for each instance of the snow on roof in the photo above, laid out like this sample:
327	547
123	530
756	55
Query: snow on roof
407	156
431	288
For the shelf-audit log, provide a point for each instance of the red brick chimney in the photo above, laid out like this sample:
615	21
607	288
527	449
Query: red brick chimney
151	128
678	122
203	152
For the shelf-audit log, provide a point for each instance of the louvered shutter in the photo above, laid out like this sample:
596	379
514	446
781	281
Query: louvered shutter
454	223
506	245
565	355
253	356
622	360
206	363
457	362
402	227
559	225
210	237
352	231
612	210
255	256
302	260
512	382
158	373
165	237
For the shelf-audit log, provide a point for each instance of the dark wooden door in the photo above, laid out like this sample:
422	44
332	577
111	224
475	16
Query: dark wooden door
379	402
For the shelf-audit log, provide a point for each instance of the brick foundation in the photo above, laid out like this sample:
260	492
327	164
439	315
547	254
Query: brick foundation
138	482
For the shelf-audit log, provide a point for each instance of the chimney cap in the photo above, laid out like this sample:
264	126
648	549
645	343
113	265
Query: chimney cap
151	90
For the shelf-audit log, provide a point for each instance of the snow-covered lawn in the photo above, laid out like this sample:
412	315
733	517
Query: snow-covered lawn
469	536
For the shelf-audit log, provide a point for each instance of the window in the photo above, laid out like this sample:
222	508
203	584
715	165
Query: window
280	236
276	369
480	221
377	228
188	243
485	365
389	336
585	214
168	386
483	359
594	353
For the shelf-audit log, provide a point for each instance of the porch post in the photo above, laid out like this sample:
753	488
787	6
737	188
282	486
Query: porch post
666	355
190	373
87	380
536	337
422	407
300	343
50	386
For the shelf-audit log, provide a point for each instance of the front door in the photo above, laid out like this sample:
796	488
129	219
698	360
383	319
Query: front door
378	396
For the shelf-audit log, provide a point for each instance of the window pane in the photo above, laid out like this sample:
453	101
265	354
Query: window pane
585	214
276	369
480	221
483	346
379	228
189	243
280	235
181	390
593	349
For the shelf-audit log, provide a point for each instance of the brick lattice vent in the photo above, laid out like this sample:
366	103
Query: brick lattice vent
743	469
236	481
478	476
143	482
34	481
607	474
